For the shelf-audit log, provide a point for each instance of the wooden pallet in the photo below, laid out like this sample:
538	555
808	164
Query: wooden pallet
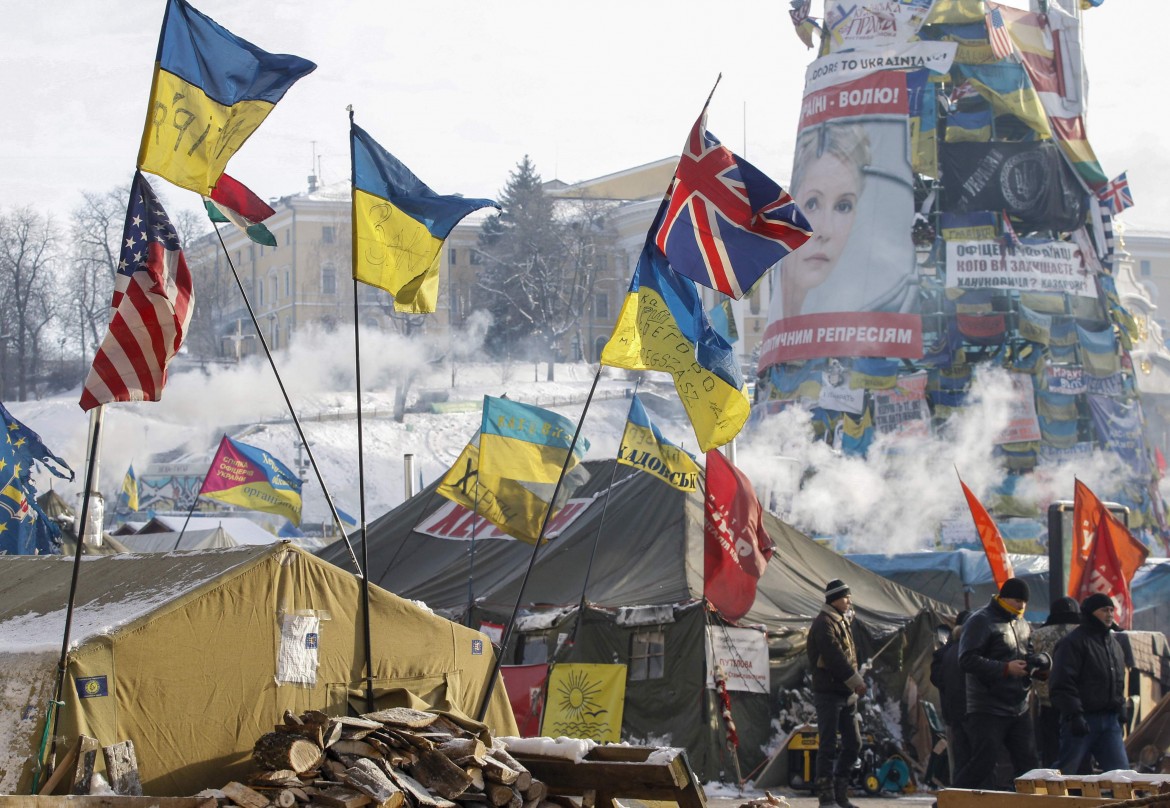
610	772
1141	785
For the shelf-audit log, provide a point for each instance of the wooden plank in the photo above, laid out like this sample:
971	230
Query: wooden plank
86	759
67	761
961	798
122	769
103	801
638	780
244	797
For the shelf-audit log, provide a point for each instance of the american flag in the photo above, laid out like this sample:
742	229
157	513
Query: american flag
152	306
997	32
1116	195
726	222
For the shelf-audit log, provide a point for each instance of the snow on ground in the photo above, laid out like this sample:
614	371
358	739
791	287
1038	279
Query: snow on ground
200	405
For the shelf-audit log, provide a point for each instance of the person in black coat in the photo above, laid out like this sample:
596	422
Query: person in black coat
1064	615
995	653
837	684
948	677
1088	688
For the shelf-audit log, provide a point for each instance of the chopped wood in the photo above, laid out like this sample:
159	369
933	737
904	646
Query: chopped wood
532	803
436	771
354	729
283	750
358	748
462	748
536	790
67	760
86	758
497	771
402	717
517	801
122	769
476	775
523	776
367	778
300	794
278	778
245	797
315	717
418	791
291	720
334	768
453	727
498	793
285	799
411	740
341	797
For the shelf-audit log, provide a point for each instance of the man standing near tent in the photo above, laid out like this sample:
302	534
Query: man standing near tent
837	685
995	652
1088	688
1064	615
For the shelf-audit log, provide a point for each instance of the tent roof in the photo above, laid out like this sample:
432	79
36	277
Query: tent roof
649	552
190	539
111	591
241	529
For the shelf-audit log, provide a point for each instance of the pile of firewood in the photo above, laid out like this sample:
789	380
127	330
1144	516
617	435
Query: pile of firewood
396	758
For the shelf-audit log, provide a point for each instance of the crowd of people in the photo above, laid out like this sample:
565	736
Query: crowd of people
1053	697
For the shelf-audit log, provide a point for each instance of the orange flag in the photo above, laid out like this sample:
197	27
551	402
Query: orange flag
1113	554
993	546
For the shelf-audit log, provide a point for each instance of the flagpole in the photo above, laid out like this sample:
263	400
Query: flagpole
194	503
471	554
296	421
597	535
357	366
97	415
491	683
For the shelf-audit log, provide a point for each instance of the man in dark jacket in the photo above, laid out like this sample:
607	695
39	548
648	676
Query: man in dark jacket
994	653
1064	615
1088	688
948	677
836	684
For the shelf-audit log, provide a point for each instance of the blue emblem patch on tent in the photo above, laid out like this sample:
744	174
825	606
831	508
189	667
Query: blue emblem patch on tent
477	647
311	640
90	687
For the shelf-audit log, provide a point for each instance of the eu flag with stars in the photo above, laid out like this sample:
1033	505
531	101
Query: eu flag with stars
24	527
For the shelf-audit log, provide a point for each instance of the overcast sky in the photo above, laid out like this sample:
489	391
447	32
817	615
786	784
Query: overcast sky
460	91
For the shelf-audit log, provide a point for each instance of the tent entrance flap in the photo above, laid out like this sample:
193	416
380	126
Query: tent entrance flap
432	692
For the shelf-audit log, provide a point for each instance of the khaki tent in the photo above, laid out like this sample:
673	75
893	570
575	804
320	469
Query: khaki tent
193	656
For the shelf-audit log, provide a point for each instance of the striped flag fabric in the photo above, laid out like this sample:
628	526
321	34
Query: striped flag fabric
1001	41
232	202
151	308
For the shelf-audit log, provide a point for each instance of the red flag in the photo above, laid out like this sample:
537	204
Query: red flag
525	685
152	307
993	546
1106	554
736	546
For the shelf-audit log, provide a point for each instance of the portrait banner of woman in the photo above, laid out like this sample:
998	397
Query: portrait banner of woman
851	290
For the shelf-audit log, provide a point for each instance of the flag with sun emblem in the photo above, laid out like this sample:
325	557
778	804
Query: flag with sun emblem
585	701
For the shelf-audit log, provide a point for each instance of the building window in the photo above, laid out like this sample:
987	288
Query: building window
647	655
275	290
328	281
452	256
260	294
287	283
327	234
601	305
288	237
475	258
1145	269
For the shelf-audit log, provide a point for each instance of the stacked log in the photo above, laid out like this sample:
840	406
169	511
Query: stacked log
396	758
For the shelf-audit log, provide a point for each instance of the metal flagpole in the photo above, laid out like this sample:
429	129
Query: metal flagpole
491	683
357	365
296	421
53	715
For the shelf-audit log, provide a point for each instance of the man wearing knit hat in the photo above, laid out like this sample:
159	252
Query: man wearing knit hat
1088	688
836	684
995	653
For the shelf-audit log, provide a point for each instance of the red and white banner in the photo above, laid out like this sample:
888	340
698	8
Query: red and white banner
736	546
453	521
819	336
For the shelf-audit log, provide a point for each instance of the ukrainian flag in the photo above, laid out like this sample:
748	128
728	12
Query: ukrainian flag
210	92
644	448
662	326
514	507
399	225
526	443
130	488
251	478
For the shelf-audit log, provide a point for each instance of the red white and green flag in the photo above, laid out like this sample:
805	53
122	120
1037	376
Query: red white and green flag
232	203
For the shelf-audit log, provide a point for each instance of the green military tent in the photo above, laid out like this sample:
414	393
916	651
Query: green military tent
193	656
644	598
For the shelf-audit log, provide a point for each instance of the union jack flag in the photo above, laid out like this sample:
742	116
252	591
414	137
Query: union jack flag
726	222
997	33
1116	195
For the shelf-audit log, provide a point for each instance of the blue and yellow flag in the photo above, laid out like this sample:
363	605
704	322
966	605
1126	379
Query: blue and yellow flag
526	443
643	447
211	90
130	489
515	507
251	478
24	527
723	321
662	326
399	225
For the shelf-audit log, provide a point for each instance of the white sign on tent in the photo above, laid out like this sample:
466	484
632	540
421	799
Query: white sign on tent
742	654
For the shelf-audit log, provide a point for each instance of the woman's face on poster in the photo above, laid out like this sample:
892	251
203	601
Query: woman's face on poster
828	198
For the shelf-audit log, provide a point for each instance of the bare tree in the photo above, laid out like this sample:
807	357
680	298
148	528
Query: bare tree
96	227
29	244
